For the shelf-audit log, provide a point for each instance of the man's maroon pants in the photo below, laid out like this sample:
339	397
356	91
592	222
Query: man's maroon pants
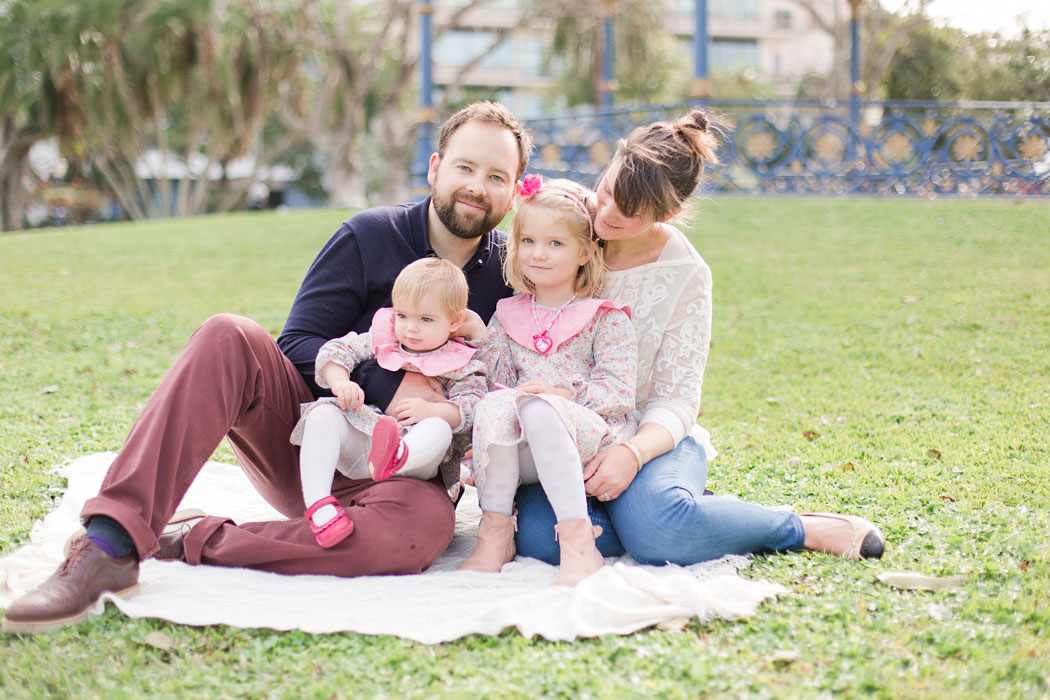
231	380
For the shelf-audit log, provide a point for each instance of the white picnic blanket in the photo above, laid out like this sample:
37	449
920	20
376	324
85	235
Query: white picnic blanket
439	605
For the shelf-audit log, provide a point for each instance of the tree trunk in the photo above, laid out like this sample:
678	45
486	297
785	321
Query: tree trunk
397	143
344	180
11	194
14	157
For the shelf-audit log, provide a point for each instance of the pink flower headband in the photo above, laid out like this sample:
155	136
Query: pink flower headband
533	184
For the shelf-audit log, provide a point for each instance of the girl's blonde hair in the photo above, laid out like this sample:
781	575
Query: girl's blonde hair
564	197
432	278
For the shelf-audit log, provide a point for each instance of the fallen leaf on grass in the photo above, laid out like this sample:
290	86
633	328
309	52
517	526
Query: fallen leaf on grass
49	389
936	454
847	467
947	498
810	434
159	640
783	657
914	581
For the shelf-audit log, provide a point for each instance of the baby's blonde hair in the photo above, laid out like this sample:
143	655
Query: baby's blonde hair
432	278
564	198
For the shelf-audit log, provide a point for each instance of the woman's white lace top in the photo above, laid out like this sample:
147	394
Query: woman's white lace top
670	302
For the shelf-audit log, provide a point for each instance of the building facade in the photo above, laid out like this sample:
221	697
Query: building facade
488	50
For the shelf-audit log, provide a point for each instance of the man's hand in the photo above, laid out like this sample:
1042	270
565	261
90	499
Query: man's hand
472	326
350	395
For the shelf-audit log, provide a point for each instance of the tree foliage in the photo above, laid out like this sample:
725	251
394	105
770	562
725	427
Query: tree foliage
188	80
32	104
1000	68
926	66
645	54
880	32
948	64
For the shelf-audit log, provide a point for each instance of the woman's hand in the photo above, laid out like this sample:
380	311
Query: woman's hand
610	473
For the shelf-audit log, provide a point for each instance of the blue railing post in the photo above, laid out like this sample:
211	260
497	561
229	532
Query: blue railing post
608	57
854	61
701	76
425	115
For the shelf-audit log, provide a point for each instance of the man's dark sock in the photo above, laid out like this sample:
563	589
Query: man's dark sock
109	535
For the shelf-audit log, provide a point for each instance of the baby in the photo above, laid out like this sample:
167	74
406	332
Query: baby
416	334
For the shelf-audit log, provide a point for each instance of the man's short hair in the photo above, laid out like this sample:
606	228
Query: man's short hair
490	113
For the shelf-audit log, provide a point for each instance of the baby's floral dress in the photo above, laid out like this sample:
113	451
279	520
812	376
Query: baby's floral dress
455	365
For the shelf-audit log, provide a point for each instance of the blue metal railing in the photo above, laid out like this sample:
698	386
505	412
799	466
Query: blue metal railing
831	147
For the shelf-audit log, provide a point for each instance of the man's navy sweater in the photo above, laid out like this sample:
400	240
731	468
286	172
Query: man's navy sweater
351	279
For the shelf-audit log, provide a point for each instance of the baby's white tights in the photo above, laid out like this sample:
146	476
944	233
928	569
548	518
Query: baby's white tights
330	443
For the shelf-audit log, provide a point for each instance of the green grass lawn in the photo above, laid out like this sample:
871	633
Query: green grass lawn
885	358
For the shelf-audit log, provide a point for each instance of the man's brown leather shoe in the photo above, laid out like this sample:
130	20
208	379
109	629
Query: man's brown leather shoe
68	596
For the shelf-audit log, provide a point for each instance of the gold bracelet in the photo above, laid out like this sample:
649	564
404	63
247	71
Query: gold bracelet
634	449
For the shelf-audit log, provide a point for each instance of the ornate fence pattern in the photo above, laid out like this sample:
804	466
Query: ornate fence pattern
840	148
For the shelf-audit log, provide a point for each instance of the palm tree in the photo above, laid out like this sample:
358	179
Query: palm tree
642	48
34	107
189	79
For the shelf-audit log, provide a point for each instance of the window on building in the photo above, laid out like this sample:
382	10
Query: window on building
531	51
782	19
733	54
733	9
458	47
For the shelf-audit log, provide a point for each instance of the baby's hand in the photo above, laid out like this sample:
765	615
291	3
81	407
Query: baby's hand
535	386
411	411
350	395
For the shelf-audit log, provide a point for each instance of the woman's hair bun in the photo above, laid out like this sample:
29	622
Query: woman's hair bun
698	118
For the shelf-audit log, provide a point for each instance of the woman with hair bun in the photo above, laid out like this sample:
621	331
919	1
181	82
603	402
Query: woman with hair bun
646	492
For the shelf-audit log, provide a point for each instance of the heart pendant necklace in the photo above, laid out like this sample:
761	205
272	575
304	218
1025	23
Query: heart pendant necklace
542	340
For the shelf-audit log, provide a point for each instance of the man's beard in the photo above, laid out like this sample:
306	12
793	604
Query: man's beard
461	226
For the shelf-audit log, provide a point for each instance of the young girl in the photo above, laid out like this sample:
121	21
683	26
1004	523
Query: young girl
571	360
429	299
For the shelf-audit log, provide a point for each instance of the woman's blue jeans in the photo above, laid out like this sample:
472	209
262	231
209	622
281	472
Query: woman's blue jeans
664	517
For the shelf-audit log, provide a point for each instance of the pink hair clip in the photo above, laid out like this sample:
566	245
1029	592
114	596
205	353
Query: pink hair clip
530	185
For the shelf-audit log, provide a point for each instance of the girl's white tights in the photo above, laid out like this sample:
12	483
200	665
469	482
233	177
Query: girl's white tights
555	464
330	443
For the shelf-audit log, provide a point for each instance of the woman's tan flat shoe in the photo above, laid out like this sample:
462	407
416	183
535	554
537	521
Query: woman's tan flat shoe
864	541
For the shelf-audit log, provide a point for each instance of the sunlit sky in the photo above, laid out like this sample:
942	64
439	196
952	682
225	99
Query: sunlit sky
982	15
